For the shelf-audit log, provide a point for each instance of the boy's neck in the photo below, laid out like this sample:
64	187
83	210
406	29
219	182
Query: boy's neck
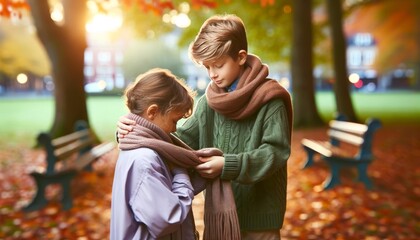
233	86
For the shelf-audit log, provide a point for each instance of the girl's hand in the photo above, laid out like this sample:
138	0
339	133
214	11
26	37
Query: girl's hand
124	126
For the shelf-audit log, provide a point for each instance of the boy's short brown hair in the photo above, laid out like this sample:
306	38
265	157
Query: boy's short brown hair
219	35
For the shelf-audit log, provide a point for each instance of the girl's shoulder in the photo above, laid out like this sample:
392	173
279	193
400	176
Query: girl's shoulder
145	158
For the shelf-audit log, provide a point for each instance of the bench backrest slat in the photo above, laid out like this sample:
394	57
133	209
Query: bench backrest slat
62	147
64	140
74	147
357	134
96	152
354	128
346	137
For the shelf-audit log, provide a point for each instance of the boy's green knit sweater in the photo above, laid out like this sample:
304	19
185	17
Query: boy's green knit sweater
256	150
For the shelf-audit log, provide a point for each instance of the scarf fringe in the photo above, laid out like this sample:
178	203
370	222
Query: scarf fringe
221	226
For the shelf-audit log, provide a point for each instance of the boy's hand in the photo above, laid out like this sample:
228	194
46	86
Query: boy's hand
124	126
211	166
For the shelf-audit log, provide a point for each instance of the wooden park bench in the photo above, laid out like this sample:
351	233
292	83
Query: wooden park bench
65	157
349	145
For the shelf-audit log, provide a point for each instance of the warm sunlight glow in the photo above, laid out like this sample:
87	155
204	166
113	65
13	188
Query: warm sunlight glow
184	7
22	78
57	13
181	20
354	78
104	23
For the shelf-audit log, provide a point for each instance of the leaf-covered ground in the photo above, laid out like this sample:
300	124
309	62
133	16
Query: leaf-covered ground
390	211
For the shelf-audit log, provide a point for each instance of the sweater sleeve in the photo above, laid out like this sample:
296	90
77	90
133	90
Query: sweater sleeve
189	131
271	151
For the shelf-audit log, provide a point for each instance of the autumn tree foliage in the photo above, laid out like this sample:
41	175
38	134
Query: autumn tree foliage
11	8
396	27
65	44
67	62
16	38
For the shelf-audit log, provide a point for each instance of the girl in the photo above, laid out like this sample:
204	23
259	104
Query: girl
152	193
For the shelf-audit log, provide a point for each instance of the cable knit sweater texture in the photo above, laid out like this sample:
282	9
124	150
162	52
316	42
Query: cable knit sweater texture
253	128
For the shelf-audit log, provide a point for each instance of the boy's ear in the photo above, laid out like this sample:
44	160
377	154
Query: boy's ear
242	57
151	111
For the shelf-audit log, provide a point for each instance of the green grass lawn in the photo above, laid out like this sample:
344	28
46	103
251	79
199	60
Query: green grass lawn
390	107
23	118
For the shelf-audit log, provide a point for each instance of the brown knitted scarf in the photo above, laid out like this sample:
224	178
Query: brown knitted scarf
220	217
253	91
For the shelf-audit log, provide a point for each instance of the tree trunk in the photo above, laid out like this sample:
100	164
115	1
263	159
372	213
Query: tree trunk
341	84
305	111
65	45
417	63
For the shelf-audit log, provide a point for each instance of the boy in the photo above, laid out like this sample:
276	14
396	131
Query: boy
248	117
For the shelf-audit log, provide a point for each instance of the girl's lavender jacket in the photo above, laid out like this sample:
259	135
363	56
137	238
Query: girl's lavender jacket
148	200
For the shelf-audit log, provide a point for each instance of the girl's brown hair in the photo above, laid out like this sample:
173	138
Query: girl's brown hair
219	35
159	86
